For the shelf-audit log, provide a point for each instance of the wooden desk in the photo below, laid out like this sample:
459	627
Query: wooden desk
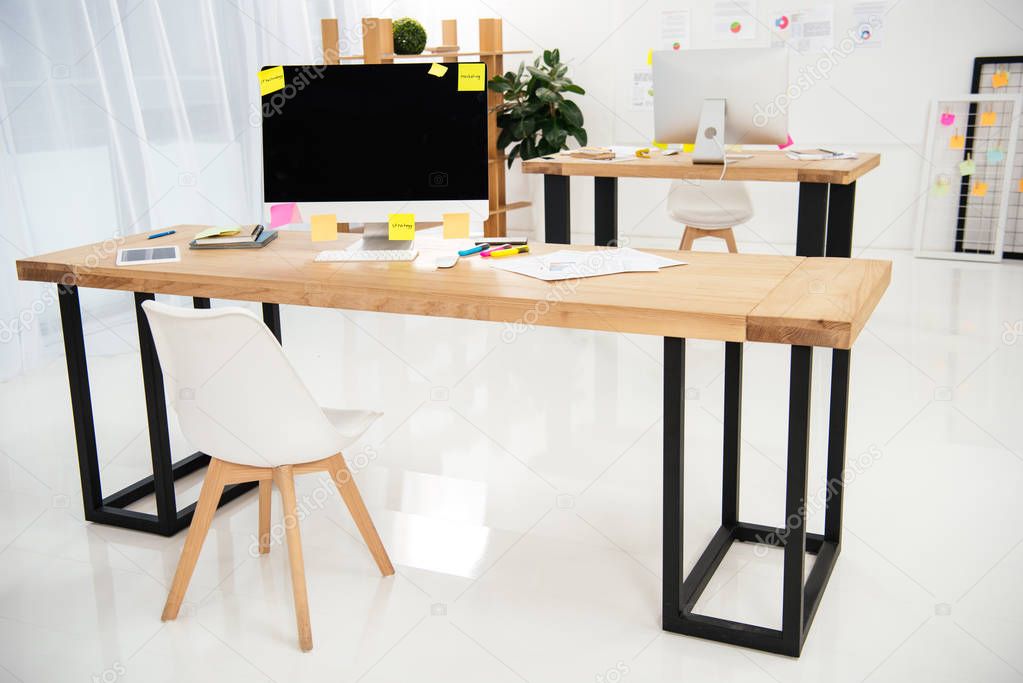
818	181
734	298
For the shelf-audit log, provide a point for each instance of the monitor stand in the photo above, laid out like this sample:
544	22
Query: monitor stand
707	150
374	238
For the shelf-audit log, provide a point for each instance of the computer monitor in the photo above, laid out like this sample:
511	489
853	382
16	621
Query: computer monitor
719	97
365	141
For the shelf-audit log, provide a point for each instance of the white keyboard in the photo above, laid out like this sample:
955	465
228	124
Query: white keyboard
357	255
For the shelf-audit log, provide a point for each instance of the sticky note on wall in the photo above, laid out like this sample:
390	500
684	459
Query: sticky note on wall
988	118
979	189
401	226
437	69
967	167
956	142
472	77
324	227
999	79
456	226
271	80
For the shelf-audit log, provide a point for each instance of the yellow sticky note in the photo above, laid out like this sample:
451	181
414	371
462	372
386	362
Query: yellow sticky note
660	145
967	167
999	79
472	77
688	147
1020	188
324	227
649	57
979	189
456	226
940	189
437	69
271	80
988	118
219	231
956	142
401	226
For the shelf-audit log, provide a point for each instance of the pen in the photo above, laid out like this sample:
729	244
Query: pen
475	250
487	252
161	234
510	252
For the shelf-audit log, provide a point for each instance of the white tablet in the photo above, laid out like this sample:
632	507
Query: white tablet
143	255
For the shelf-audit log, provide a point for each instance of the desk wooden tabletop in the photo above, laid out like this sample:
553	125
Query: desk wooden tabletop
728	297
772	166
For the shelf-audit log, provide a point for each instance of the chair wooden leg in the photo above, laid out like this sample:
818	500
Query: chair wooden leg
688	236
209	497
729	237
284	477
342	477
264	517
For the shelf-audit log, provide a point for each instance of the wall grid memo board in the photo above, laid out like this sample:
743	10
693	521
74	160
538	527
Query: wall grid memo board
1004	75
971	142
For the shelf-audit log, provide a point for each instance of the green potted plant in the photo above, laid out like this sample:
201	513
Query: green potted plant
409	36
535	116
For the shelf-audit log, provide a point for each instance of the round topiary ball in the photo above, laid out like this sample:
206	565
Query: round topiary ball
409	36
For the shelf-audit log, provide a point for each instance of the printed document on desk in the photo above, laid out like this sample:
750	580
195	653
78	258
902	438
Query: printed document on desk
569	265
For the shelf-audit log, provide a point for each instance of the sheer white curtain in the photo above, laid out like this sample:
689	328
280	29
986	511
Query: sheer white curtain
120	116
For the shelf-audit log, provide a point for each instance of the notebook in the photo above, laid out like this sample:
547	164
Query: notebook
259	242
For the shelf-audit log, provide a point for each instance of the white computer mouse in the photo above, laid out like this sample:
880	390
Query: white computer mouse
446	261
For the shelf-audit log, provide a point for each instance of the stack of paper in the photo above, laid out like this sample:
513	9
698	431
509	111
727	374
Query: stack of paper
818	154
568	265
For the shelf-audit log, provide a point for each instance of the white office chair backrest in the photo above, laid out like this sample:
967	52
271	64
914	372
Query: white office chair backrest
236	395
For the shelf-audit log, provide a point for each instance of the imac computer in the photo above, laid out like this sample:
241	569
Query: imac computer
718	97
365	141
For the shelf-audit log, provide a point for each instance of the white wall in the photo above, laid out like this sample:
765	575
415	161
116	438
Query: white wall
874	99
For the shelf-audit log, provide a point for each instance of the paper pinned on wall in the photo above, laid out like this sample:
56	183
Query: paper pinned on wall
324	227
271	80
868	22
675	27
995	156
967	167
284	214
948	118
956	142
642	89
1020	188
401	226
471	78
979	189
650	57
804	30
456	225
988	118
437	69
734	20
1000	79
941	186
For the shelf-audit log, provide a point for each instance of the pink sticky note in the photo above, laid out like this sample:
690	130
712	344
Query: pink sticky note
284	214
948	119
788	143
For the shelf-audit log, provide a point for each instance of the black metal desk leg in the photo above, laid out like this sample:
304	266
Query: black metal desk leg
605	211
272	319
841	200
674	428
792	624
732	437
838	421
812	219
557	210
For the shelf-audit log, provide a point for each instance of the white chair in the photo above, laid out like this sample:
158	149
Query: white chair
239	399
709	209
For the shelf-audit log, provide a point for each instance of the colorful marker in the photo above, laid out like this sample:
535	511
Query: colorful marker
510	252
475	250
491	250
161	234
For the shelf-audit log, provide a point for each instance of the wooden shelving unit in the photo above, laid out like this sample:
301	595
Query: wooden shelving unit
378	48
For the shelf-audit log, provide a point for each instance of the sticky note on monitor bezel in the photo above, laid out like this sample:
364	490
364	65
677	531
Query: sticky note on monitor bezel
271	80
472	77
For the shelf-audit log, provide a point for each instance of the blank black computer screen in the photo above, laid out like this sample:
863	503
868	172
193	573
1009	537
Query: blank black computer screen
374	132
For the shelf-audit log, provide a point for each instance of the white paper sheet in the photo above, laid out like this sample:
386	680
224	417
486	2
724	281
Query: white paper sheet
734	20
806	30
868	22
570	265
675	29
642	89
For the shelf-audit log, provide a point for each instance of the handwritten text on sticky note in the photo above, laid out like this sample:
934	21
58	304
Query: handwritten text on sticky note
979	189
456	226
324	227
271	80
401	226
472	77
988	118
967	167
956	142
999	79
437	69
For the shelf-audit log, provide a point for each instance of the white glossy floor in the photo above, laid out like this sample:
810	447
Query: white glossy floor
517	486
